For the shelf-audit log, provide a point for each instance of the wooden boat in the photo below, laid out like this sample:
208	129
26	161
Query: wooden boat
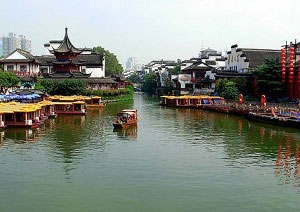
47	109
126	118
21	115
94	102
2	123
279	120
190	101
72	108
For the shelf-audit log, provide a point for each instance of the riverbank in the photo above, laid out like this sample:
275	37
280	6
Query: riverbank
271	114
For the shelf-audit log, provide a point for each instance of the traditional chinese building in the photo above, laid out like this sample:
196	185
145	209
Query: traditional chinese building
66	62
61	60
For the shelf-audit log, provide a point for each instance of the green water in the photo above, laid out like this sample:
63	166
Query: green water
174	160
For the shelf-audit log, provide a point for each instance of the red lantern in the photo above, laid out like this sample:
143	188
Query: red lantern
241	99
263	101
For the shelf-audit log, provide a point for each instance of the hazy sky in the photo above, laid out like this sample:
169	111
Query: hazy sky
154	29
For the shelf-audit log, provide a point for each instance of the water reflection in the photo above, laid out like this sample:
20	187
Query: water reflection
22	135
68	138
127	133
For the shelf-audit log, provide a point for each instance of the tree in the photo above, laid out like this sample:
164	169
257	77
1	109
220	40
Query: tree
134	78
69	87
150	83
230	91
269	78
66	87
112	65
45	85
174	71
227	89
7	80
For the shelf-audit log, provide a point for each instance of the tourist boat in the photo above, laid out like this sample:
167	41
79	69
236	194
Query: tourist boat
126	118
190	101
48	110
72	108
94	102
21	115
213	103
279	120
2	123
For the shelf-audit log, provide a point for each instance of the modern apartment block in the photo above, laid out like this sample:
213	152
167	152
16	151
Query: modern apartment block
13	42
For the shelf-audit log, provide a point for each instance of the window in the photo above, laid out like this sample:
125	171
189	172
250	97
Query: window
23	68
10	67
44	70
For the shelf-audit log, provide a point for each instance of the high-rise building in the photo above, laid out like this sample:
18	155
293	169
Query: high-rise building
13	42
131	63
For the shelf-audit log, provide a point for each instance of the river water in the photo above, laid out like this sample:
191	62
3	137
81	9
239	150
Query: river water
174	160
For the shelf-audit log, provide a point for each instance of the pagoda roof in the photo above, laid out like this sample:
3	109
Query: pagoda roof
67	62
66	46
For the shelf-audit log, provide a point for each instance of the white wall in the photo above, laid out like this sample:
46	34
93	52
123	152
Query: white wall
235	62
32	68
96	72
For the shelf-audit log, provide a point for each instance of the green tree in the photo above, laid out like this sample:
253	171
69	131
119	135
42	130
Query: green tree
150	83
227	89
7	80
220	85
174	71
45	85
134	78
66	87
269	78
230	91
69	87
112	65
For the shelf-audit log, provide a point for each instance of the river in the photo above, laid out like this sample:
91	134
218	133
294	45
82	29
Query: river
174	160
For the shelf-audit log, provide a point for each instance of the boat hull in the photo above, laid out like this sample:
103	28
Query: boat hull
279	121
122	126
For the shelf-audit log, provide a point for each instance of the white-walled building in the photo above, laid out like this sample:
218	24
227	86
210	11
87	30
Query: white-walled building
244	60
161	68
198	75
21	62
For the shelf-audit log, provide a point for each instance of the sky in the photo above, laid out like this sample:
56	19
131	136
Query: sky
154	29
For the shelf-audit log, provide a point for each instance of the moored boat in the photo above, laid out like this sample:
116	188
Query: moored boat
72	108
21	115
94	102
126	118
279	120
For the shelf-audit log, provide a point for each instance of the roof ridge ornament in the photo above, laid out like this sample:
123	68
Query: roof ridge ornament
66	30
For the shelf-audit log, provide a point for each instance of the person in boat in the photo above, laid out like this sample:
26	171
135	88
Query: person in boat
123	119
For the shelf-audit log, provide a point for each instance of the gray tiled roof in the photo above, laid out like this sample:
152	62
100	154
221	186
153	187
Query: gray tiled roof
66	46
257	57
91	60
29	57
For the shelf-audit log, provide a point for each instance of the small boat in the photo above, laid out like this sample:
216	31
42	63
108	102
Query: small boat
126	118
279	120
